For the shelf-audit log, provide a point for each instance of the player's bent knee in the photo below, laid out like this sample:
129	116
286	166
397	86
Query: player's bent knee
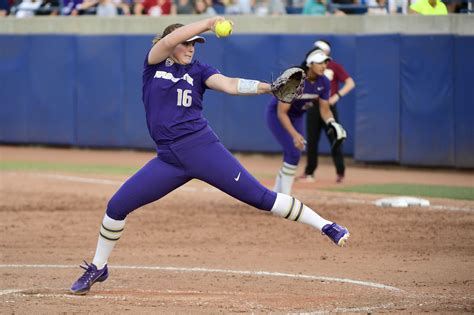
116	210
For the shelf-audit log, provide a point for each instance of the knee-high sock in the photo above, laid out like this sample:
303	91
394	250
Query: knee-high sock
285	178
110	232
277	187
292	209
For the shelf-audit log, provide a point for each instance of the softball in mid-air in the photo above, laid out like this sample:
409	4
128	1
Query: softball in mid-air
223	28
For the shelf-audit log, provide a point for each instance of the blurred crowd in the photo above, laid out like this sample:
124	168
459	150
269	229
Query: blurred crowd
28	8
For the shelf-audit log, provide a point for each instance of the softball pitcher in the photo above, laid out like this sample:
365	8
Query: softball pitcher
173	88
285	120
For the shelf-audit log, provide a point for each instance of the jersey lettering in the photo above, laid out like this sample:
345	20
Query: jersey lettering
169	76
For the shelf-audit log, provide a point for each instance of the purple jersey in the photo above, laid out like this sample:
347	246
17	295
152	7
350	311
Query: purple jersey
173	94
311	92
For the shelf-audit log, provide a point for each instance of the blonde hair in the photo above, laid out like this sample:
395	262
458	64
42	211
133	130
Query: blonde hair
168	30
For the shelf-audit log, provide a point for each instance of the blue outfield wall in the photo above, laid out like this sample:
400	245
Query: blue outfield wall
413	103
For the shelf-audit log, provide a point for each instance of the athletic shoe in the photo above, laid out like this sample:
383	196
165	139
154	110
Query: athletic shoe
339	179
305	178
338	234
91	276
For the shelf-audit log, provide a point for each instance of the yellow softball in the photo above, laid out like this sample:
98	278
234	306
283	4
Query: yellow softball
223	28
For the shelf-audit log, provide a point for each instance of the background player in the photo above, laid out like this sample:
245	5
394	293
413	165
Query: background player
173	88
315	122
285	120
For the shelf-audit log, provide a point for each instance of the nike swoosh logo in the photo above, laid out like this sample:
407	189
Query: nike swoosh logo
237	178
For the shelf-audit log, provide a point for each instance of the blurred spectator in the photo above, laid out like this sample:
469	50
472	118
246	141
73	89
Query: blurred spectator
87	7
136	7
203	7
218	6
27	8
182	7
123	6
240	7
5	6
70	7
106	8
428	7
341	10
153	7
398	6
269	7
48	7
315	7
380	10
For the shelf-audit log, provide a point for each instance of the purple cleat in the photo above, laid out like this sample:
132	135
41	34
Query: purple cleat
338	234
91	276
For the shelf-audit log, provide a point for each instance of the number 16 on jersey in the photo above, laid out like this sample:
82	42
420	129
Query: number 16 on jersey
184	98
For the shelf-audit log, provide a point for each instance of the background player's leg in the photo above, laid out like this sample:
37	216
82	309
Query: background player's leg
291	155
312	139
336	153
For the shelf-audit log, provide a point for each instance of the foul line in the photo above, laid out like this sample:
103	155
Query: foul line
78	179
213	190
226	271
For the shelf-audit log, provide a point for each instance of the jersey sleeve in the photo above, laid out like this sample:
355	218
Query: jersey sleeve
327	89
340	73
207	71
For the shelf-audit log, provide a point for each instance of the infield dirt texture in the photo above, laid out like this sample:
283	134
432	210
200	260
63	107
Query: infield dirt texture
200	251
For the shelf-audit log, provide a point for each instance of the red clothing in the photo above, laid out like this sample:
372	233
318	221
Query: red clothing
165	5
336	74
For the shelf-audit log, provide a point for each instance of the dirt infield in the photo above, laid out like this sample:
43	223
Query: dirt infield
199	251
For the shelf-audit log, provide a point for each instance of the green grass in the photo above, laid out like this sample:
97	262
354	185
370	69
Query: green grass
64	167
451	192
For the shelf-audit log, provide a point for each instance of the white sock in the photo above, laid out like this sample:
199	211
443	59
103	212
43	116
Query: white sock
292	209
286	176
277	187
110	232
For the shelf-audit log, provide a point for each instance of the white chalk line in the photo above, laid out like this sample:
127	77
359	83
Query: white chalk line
224	271
211	189
78	179
24	294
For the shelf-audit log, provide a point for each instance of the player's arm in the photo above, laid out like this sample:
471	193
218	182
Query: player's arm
165	46
325	110
237	86
335	131
282	113
341	75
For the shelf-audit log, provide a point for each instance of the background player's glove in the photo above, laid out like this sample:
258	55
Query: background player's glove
336	133
289	85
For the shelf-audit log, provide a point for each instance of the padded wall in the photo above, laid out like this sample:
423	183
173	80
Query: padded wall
377	127
51	89
427	100
14	88
100	91
413	102
464	100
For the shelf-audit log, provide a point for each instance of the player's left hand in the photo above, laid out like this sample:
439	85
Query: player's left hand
336	134
289	85
299	142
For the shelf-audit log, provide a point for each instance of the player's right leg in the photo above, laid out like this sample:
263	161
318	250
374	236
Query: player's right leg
211	162
150	183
